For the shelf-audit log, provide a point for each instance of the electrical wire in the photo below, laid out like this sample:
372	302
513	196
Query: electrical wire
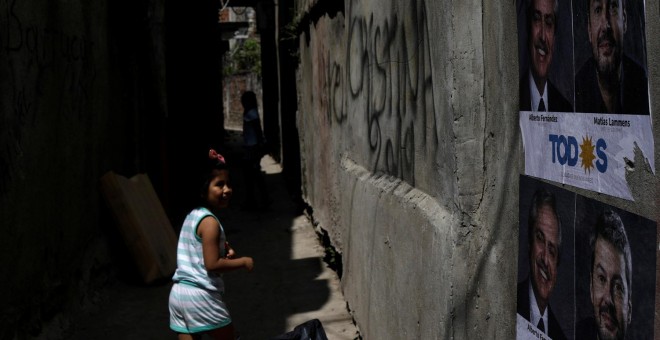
223	5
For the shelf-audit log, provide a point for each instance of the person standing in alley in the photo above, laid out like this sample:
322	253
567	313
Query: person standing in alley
254	145
196	302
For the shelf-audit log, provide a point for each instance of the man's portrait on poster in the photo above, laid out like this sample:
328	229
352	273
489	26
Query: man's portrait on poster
610	36
544	237
540	49
615	279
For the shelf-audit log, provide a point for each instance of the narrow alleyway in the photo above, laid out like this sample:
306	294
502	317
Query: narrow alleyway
289	285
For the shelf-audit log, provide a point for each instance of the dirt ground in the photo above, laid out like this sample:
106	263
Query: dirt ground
290	283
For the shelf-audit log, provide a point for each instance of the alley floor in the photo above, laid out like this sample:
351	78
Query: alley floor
290	283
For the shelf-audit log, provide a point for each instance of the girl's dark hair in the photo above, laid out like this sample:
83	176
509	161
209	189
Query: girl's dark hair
214	162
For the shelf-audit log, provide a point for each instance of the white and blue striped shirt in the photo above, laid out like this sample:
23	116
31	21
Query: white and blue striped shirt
190	258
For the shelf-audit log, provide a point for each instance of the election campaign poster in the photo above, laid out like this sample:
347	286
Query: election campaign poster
584	97
586	270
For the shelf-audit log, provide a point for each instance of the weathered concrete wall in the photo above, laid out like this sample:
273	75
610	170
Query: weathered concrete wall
81	92
88	87
53	84
411	151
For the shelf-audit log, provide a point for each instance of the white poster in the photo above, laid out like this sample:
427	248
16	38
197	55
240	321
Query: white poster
585	150
584	96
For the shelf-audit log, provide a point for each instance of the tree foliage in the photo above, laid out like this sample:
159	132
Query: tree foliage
244	58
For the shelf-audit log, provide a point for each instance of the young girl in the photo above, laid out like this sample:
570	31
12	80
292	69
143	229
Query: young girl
196	305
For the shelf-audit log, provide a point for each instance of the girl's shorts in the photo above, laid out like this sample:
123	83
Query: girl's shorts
196	310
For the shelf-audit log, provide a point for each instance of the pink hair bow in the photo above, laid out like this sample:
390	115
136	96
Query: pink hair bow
215	155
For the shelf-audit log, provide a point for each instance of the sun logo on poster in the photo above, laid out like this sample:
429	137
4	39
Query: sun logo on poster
566	151
587	154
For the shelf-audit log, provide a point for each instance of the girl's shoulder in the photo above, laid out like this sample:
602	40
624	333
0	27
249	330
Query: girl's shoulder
203	216
201	213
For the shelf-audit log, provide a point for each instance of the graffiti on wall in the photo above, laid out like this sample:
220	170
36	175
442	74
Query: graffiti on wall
37	54
45	72
388	76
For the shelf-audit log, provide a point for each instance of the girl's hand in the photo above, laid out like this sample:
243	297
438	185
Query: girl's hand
248	263
230	251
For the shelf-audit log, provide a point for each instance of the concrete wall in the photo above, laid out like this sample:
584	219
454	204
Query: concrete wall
411	152
83	91
54	86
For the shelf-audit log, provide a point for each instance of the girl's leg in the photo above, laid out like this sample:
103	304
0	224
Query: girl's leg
224	333
183	336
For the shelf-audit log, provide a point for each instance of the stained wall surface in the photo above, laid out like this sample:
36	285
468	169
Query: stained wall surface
53	98
83	91
411	154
